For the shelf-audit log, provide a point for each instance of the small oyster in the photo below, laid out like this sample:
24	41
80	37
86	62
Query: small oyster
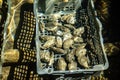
58	50
70	56
11	55
48	44
51	59
111	49
80	52
77	39
55	17
67	36
52	26
59	42
61	64
45	56
78	31
59	33
42	27
83	61
47	37
65	29
72	65
68	18
81	45
67	43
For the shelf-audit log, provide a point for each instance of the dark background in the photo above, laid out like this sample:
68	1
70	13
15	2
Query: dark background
113	34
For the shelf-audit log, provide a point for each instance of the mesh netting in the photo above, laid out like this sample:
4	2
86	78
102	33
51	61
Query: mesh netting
25	68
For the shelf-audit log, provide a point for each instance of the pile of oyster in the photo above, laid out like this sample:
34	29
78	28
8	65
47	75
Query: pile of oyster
60	37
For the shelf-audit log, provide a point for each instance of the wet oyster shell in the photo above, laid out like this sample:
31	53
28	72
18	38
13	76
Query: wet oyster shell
70	56
59	42
78	31
51	59
83	61
72	65
45	56
67	43
61	64
58	50
80	52
48	44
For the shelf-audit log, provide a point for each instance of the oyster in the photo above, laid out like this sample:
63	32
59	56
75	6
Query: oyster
65	29
55	17
58	50
59	42
68	18
61	64
78	31
11	55
111	49
83	61
51	59
42	27
52	26
72	65
48	44
47	37
59	33
80	52
67	36
70	56
81	45
77	39
45	56
67	43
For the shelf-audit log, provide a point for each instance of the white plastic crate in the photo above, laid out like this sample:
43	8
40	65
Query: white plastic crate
62	21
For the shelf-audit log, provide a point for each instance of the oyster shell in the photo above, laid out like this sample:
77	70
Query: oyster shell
61	64
42	27
58	50
68	18
83	61
67	36
51	59
79	31
80	52
67	43
47	37
59	33
45	56
11	55
72	65
70	56
59	42
55	17
48	44
77	39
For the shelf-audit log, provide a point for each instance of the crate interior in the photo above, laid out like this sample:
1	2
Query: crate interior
53	27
